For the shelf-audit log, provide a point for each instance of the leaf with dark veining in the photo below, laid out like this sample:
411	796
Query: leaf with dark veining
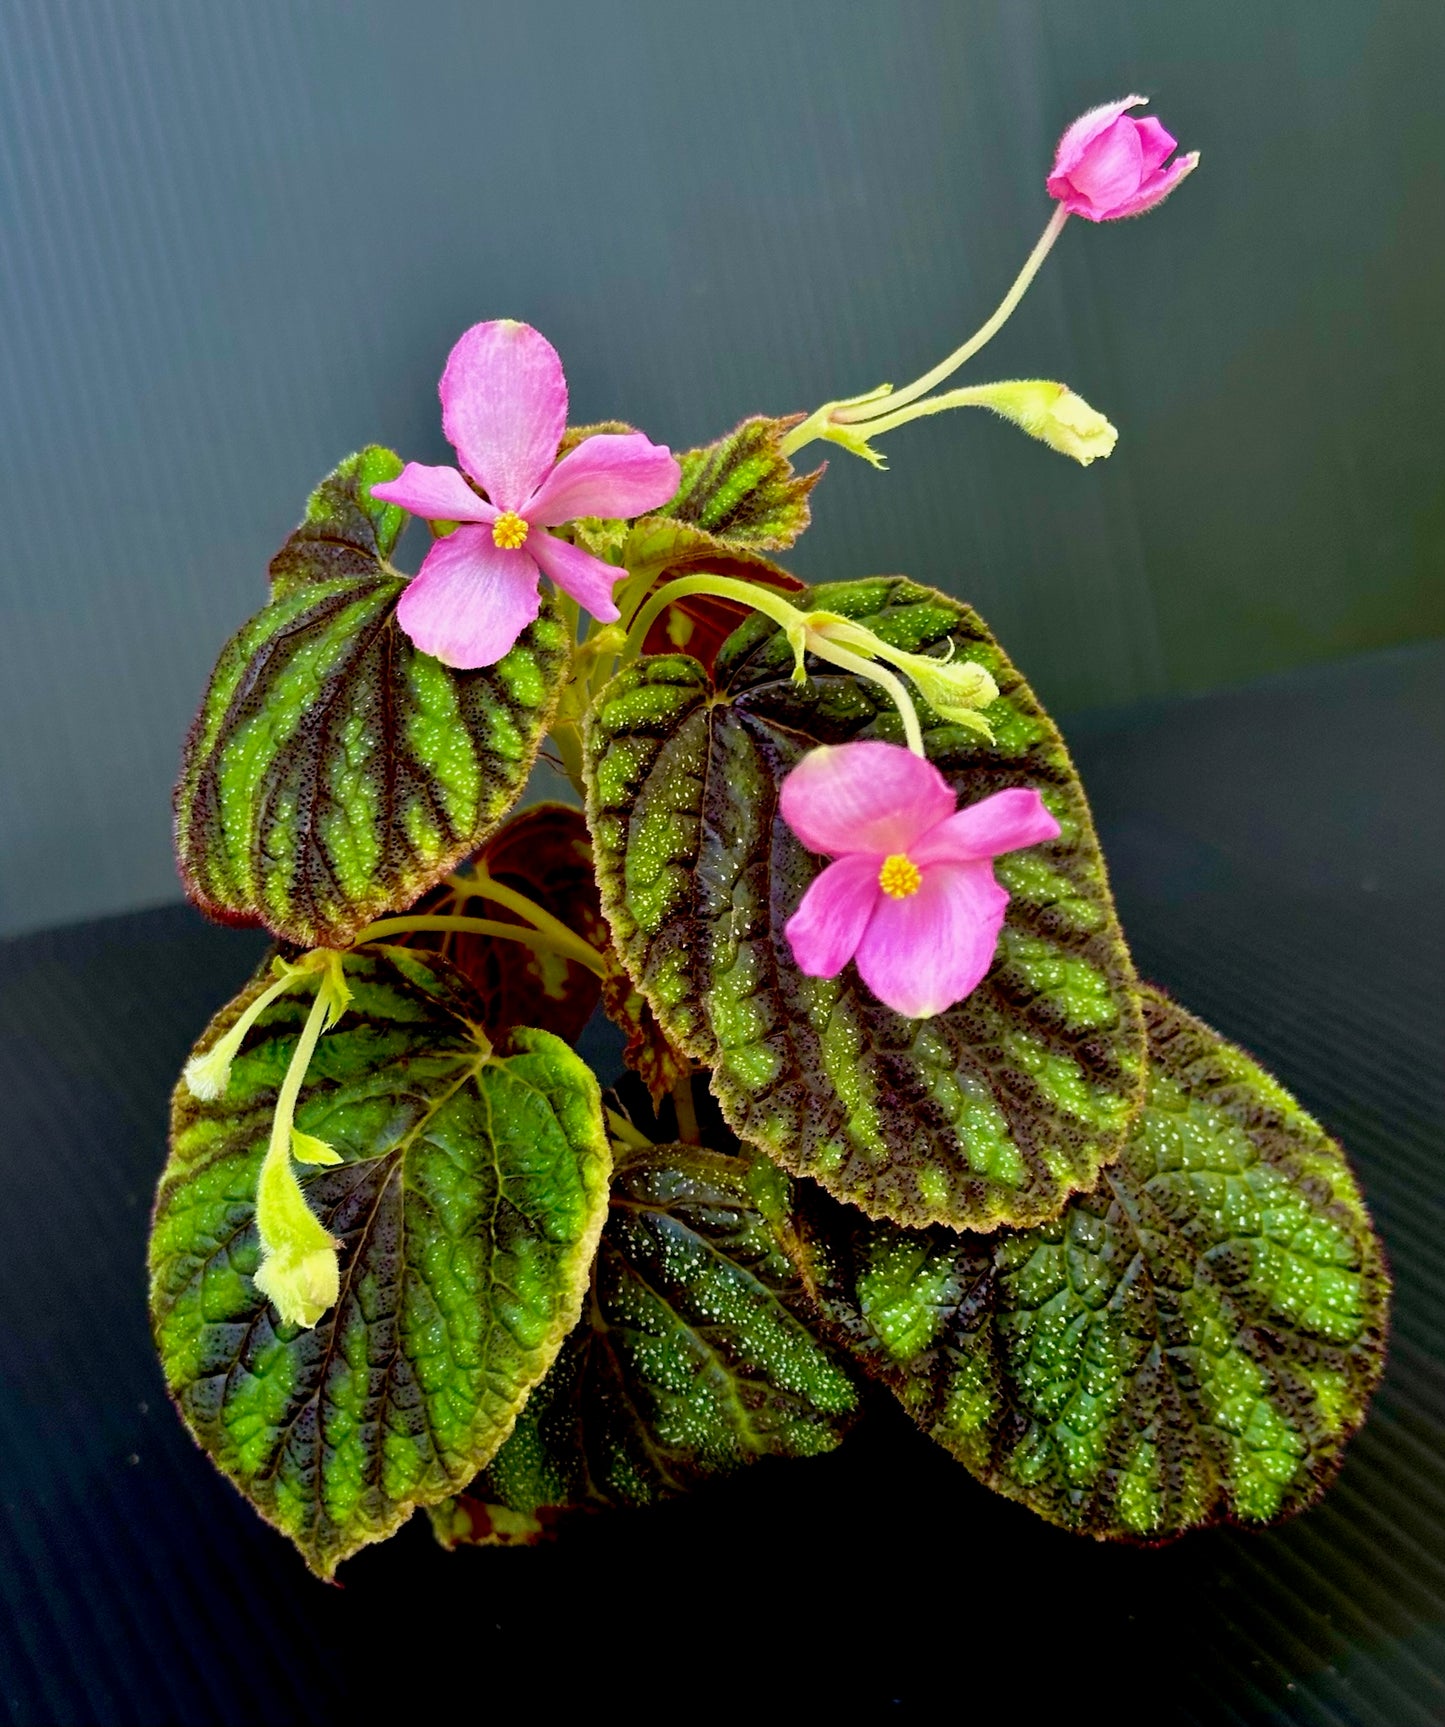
1194	1341
467	1204
993	1112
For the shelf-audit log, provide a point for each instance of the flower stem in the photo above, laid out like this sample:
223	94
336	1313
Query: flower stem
207	1075
763	600
793	623
899	414
480	885
870	669
874	410
561	942
298	1272
984	334
285	1116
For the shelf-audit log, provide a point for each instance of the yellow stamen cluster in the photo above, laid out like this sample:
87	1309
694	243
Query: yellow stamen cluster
509	531
899	877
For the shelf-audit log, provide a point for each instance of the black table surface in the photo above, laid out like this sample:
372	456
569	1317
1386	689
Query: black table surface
1276	853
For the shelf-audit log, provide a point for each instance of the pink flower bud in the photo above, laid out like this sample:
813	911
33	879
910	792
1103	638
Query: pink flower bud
1109	164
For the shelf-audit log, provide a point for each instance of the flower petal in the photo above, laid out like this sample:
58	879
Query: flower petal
609	474
1157	187
1155	143
922	954
504	406
1004	822
832	915
589	580
1110	169
864	797
470	600
438	494
1083	132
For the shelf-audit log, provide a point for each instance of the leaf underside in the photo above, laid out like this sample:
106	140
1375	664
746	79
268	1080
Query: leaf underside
468	1203
698	623
1192	1342
544	852
334	772
991	1113
692	1359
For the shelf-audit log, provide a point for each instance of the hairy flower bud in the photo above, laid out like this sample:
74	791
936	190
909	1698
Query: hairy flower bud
1109	164
954	689
1053	413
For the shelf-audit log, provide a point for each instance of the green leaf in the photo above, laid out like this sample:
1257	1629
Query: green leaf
991	1113
334	772
345	531
468	1201
1192	1342
743	491
693	1357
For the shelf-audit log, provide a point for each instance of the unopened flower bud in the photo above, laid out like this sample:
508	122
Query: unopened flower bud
1109	164
301	1286
1053	413
955	690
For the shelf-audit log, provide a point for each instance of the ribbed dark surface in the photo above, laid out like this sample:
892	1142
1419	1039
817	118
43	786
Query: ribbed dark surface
1276	853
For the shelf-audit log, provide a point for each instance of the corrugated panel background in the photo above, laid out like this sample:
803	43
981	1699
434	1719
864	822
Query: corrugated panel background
1277	891
239	239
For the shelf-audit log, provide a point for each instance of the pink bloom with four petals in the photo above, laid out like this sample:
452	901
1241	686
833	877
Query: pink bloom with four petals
504	408
911	894
1109	164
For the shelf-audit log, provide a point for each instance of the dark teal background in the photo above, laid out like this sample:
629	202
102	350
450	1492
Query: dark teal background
239	240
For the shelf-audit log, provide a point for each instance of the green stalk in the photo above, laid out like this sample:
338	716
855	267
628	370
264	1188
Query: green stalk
561	942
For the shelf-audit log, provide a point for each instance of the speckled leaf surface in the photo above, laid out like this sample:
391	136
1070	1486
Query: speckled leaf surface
468	1203
1192	1342
743	490
992	1113
545	852
334	772
694	1355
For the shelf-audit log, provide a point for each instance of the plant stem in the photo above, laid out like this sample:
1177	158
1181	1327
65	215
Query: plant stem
969	396
281	1121
764	600
623	1130
872	412
572	947
483	886
877	410
870	669
687	1128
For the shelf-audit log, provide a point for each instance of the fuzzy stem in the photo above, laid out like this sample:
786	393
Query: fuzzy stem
870	669
285	1116
764	600
484	886
870	412
572	947
970	396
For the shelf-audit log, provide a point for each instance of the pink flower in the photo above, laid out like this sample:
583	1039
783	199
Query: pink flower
911	895
504	407
1109	164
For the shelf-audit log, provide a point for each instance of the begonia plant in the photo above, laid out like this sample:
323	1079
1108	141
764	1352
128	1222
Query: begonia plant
895	1106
